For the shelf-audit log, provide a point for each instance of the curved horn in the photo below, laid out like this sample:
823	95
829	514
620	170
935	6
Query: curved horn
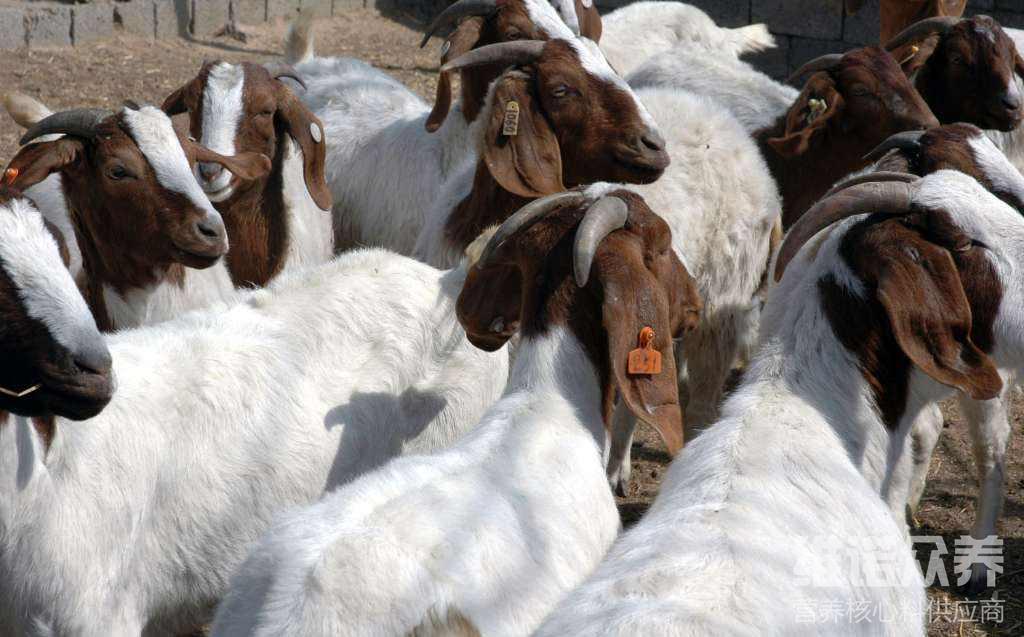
603	217
907	140
517	52
888	196
921	30
525	217
820	63
80	122
278	70
457	11
880	175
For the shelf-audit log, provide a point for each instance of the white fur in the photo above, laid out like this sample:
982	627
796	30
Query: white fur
800	456
634	33
222	112
221	419
496	529
1012	142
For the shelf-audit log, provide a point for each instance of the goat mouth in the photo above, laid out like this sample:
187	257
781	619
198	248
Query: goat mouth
197	260
217	195
77	397
640	170
1005	120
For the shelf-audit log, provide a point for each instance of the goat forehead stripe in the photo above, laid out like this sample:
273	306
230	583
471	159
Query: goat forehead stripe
996	167
547	19
153	134
31	259
222	107
594	62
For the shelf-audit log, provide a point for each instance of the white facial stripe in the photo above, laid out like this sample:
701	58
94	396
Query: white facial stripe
548	20
996	167
594	62
31	259
152	131
222	107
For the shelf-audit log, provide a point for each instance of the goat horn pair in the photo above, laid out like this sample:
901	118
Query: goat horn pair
80	122
920	30
511	53
457	11
891	193
525	217
278	70
820	63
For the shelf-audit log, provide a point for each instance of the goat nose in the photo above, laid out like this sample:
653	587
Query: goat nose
652	140
210	171
210	229
1011	102
93	360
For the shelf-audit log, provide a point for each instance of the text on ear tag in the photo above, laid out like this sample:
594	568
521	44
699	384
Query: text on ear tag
510	126
645	359
10	175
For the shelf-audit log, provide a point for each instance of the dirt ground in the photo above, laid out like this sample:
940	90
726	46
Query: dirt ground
128	68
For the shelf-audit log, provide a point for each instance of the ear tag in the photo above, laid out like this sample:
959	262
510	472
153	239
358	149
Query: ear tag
315	132
9	176
587	3
645	359
510	127
913	51
815	107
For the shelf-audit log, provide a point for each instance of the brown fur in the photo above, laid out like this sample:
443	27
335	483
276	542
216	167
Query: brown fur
255	215
867	97
931	301
590	133
454	624
897	15
637	281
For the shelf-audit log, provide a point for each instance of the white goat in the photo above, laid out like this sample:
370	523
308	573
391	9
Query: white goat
633	34
775	511
132	521
488	535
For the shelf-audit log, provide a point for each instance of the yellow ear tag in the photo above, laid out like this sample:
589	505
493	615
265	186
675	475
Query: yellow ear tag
815	107
913	51
645	359
10	175
510	127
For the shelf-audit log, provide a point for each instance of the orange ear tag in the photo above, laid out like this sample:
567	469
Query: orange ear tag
10	175
510	127
645	359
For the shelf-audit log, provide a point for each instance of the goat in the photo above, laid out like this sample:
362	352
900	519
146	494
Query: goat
275	221
717	196
896	15
743	537
488	535
132	521
138	216
635	33
965	148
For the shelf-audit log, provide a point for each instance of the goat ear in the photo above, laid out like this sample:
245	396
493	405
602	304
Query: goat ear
634	299
36	161
808	119
490	304
308	132
462	40
589	19
921	292
911	57
520	149
175	102
248	166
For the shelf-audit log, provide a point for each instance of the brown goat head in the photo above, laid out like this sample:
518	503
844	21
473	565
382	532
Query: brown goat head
483	22
599	263
246	108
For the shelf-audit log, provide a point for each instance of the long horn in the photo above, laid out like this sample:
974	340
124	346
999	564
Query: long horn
604	216
457	11
525	217
820	63
920	30
907	140
278	70
879	175
888	196
80	122
512	53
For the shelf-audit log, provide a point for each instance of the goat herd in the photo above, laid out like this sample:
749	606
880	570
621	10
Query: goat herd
307	437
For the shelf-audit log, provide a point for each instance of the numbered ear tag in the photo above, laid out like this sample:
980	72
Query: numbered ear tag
510	127
645	359
10	175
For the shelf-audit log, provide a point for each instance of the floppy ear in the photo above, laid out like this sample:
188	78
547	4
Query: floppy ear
589	19
523	158
246	165
931	319
463	39
36	161
175	102
308	131
808	119
633	299
490	304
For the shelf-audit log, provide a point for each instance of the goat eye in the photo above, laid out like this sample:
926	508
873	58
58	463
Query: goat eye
117	173
562	91
859	90
513	34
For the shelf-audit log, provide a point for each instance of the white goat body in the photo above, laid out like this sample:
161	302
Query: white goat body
133	520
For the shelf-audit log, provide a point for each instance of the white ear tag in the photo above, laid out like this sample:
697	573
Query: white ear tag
587	3
815	107
510	127
444	47
314	130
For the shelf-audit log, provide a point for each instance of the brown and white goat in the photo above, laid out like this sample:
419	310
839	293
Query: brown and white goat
139	217
850	104
276	220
